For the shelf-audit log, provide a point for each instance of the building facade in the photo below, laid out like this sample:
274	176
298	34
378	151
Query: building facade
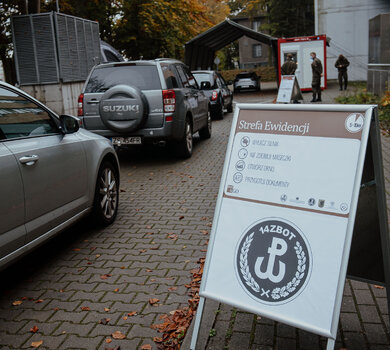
252	53
346	22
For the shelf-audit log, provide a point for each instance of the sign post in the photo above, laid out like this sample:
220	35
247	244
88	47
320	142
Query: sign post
289	89
285	214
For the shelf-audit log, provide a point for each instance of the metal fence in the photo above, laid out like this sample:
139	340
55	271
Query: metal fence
53	47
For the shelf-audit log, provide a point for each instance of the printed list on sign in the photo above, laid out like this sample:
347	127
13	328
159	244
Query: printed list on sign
292	170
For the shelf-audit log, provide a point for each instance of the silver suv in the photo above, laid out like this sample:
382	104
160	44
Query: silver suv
139	102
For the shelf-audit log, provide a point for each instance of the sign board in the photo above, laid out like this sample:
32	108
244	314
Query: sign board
289	89
285	213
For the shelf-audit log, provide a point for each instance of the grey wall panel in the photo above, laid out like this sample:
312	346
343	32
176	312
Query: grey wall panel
50	47
46	54
24	50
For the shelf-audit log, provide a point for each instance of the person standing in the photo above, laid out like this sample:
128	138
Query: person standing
316	67
289	67
341	64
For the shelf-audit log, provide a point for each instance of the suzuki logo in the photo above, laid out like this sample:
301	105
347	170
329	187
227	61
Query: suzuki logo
125	108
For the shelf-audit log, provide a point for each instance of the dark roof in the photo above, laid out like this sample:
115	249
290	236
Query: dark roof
200	51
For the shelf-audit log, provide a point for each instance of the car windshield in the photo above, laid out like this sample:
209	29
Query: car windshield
142	77
199	77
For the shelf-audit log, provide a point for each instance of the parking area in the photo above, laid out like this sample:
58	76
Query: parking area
88	287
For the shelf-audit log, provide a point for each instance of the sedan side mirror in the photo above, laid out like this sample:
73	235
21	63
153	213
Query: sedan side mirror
69	124
205	85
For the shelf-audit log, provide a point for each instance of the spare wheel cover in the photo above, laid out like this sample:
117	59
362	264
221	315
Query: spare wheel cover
123	108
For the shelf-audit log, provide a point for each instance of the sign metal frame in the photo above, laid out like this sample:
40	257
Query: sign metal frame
369	132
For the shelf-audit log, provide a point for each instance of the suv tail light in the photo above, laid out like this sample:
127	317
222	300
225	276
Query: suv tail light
214	96
80	109
169	101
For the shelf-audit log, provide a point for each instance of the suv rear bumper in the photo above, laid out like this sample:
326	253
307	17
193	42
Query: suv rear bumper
170	130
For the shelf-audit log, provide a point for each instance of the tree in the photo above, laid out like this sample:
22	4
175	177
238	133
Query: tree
286	18
160	28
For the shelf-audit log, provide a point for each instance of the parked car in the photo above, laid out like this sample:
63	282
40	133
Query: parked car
137	102
51	173
246	81
215	87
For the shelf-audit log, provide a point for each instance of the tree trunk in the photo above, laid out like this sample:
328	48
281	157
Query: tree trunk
34	6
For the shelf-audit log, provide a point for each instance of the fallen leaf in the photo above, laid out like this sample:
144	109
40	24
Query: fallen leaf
85	308
132	313
146	347
116	290
17	302
76	249
108	340
181	217
24	298
122	267
116	348
172	236
105	276
106	309
379	287
148	227
104	321
39	301
149	270
125	318
143	250
97	255
158	340
153	301
172	289
205	232
34	329
36	344
118	335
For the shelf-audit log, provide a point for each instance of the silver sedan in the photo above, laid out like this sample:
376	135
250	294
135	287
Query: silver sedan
51	174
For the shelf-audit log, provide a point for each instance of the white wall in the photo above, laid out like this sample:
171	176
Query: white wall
62	98
346	23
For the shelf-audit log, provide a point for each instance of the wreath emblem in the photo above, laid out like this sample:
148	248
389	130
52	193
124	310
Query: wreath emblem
262	288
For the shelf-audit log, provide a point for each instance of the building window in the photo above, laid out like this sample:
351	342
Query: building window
257	50
256	25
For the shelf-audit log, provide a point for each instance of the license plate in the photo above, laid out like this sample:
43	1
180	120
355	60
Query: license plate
136	140
245	86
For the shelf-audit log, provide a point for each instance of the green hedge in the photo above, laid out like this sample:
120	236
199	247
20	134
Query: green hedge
266	73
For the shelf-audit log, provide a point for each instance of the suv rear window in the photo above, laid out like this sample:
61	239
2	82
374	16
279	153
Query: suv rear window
246	75
142	77
199	77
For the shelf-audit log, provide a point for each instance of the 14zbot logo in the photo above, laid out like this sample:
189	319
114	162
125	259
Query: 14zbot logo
273	261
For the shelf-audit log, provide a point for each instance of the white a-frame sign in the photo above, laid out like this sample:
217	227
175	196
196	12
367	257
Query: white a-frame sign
284	221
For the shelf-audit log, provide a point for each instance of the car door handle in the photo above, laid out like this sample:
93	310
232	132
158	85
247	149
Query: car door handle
29	160
93	102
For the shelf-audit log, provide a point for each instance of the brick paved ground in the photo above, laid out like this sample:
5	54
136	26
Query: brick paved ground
154	243
364	319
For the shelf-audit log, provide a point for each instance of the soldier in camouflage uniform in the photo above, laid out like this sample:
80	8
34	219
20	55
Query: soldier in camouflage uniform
316	67
341	64
289	67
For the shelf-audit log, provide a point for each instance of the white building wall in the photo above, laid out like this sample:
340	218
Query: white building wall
346	23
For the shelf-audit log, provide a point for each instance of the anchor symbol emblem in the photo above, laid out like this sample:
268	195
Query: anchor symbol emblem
278	248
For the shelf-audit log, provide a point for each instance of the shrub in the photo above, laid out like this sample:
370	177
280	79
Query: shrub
266	73
363	97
